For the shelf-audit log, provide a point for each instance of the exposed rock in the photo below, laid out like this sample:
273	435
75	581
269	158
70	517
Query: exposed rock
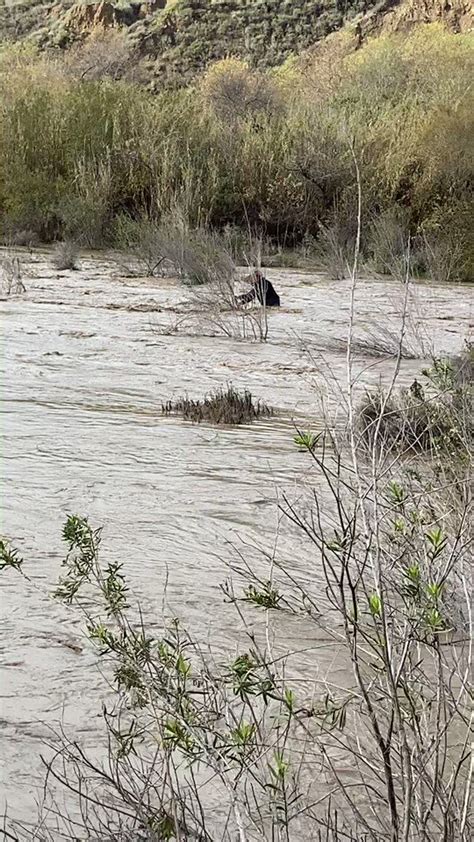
83	17
458	15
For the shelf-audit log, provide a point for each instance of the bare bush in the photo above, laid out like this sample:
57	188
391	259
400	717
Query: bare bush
201	259
396	576
334	247
239	244
176	324
144	241
65	256
383	338
383	341
219	311
204	262
250	247
198	256
442	256
11	282
21	237
387	243
235	91
105	54
461	366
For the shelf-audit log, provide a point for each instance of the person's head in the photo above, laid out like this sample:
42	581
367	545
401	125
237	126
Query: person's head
256	277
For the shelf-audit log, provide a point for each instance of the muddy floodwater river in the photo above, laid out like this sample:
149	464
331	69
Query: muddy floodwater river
88	358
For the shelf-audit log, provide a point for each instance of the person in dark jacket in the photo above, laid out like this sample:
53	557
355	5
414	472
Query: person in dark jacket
262	290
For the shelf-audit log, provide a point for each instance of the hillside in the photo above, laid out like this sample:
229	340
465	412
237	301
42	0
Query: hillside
174	40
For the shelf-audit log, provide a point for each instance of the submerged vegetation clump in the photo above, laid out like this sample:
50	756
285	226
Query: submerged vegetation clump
434	416
224	406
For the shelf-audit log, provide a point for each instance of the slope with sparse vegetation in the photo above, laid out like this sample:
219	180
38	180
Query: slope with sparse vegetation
173	41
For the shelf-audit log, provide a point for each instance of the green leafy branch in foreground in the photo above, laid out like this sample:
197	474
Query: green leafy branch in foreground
265	595
306	440
235	719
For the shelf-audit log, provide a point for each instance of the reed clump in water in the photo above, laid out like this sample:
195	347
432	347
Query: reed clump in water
224	406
